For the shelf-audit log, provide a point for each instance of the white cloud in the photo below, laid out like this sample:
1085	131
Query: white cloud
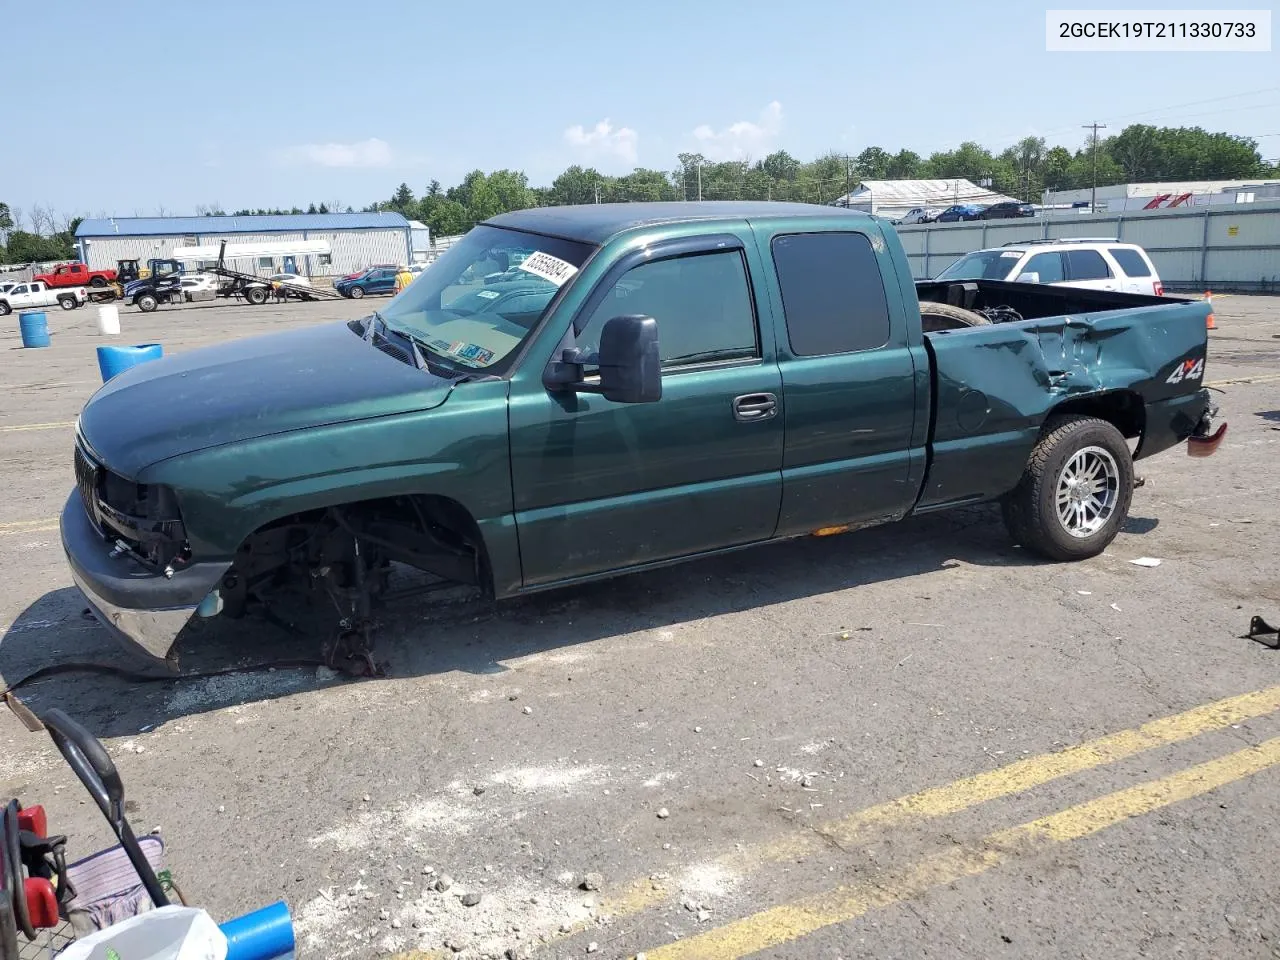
605	141
742	139
362	153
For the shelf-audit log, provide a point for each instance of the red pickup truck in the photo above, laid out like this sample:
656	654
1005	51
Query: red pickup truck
76	275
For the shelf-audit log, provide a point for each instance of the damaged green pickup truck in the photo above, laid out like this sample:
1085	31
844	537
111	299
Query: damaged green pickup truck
571	393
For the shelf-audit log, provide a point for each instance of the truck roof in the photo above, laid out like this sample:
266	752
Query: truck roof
597	222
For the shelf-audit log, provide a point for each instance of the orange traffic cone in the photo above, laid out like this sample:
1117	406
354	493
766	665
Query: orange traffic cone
1209	322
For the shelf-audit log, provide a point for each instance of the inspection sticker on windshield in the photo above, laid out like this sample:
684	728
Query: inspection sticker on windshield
547	267
470	351
488	294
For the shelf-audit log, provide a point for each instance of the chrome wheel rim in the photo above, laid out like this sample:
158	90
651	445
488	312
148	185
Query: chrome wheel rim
1087	492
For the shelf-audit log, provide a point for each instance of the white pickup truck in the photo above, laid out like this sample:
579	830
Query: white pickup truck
28	296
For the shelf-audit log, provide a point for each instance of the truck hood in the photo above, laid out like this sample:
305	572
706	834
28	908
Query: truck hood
249	388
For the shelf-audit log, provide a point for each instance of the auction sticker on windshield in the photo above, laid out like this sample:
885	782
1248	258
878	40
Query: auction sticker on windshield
547	267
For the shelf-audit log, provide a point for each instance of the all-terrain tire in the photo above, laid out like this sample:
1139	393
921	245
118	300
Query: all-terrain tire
1031	509
942	316
97	281
147	303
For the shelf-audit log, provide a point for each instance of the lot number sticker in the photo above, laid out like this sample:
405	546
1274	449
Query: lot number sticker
547	267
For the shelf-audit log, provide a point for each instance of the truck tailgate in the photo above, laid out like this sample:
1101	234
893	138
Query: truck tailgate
994	386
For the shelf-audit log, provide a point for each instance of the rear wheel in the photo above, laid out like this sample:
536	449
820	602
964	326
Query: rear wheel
256	295
1075	491
97	281
357	293
5	309
943	316
67	303
147	303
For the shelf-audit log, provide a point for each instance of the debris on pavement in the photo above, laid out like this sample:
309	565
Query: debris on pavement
444	883
1147	562
663	813
471	899
1264	633
592	881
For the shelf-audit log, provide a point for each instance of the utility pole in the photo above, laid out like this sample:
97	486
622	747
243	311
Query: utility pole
847	187
597	193
699	179
1093	197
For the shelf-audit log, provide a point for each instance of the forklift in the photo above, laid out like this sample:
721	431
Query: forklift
127	271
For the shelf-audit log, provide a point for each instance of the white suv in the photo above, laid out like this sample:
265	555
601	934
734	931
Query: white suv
1089	262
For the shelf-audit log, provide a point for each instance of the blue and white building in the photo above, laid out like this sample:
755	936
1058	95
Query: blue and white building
356	240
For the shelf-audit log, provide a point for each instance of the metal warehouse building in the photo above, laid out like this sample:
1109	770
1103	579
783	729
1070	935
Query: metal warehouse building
356	240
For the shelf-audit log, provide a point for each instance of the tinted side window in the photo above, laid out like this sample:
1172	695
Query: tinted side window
832	293
1048	265
1130	261
1087	265
702	304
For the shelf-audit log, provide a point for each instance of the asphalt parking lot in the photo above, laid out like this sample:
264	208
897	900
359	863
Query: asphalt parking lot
908	742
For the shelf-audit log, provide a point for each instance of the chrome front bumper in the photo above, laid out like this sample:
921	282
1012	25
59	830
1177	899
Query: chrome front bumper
151	633
142	609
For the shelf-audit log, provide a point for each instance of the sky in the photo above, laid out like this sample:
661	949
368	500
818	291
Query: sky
338	102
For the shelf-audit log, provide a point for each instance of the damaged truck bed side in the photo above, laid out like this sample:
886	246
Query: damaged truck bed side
575	392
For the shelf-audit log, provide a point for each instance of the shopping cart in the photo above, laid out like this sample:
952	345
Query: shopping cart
46	904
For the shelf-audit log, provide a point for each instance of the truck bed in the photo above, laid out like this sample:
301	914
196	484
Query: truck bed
993	385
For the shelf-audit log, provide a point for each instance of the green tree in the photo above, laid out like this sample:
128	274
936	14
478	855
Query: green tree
447	218
578	185
873	163
969	161
1147	153
402	200
641	185
905	165
780	166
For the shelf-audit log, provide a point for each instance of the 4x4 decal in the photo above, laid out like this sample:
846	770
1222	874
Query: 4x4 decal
1187	370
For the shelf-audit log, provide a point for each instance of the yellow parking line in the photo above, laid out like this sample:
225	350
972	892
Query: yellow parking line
959	795
789	922
55	425
28	526
1265	378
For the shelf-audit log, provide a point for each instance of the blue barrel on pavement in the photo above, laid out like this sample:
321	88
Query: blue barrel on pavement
262	935
115	360
35	329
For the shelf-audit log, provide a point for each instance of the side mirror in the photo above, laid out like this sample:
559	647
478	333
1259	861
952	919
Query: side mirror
1028	278
629	361
630	364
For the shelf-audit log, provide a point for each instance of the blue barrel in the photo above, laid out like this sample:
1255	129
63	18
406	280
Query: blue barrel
114	360
35	329
262	935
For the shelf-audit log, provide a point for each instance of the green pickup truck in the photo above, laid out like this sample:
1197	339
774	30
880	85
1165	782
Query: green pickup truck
570	393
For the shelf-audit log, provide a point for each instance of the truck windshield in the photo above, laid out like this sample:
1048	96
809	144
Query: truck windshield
478	302
983	265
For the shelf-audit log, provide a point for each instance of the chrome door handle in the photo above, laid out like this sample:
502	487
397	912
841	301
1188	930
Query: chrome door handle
754	406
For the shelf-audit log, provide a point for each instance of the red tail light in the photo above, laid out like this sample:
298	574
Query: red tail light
1159	289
